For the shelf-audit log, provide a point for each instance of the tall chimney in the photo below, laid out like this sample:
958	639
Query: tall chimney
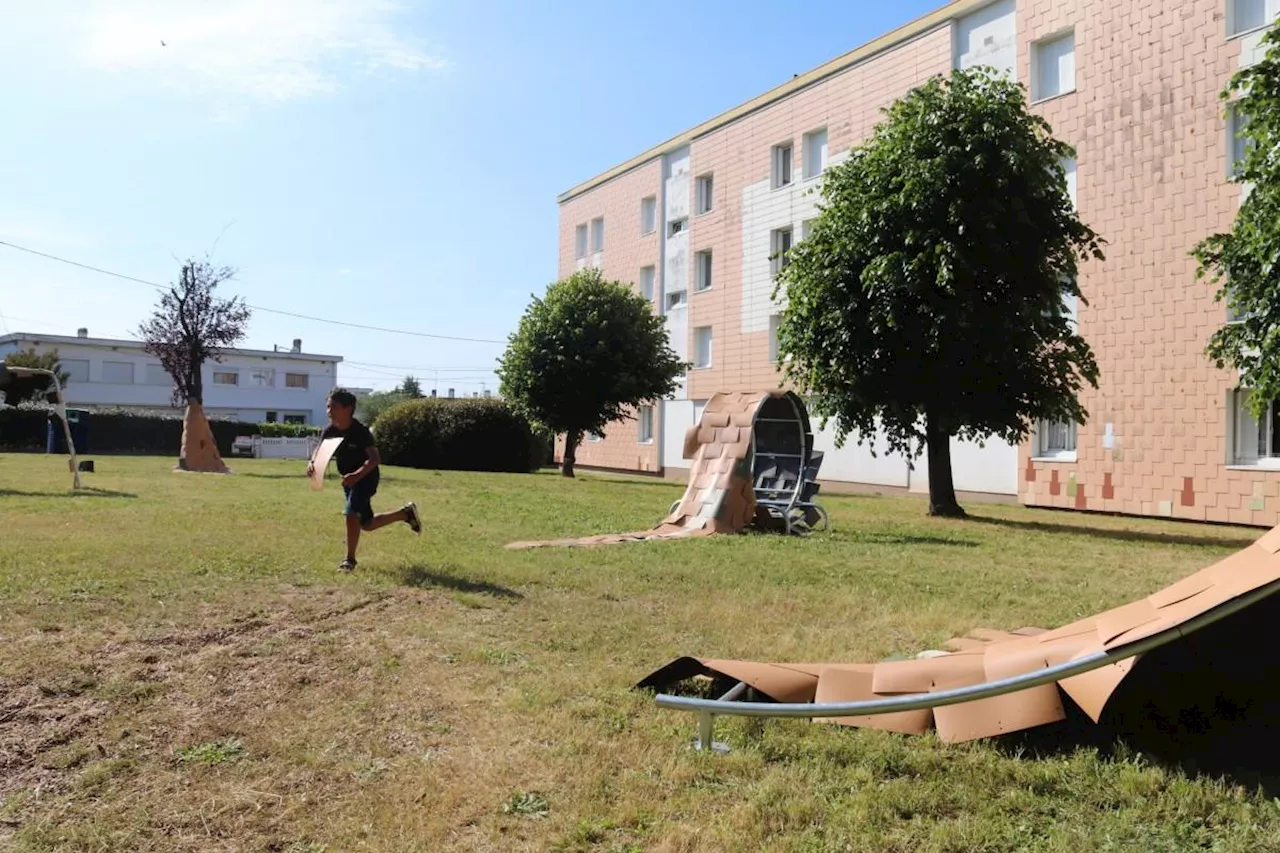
82	332
297	344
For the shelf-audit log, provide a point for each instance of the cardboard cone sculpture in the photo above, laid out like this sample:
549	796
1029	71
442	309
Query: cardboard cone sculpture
199	451
1197	670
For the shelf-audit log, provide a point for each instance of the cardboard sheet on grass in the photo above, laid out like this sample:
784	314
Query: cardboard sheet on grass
324	454
719	497
988	655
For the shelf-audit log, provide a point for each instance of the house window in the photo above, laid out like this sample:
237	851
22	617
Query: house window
157	375
703	281
806	228
702	346
1246	15
117	372
782	165
647	276
676	298
648	215
295	419
676	226
1238	142
1257	442
272	417
597	234
1056	439
1071	305
77	369
226	377
775	322
1069	167
815	153
644	425
1053	66
594	437
297	380
779	246
580	241
263	377
705	192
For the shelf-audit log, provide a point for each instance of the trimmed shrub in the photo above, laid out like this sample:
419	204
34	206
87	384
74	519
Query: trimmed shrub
115	431
282	430
459	435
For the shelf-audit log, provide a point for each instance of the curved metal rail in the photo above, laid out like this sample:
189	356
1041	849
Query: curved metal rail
708	709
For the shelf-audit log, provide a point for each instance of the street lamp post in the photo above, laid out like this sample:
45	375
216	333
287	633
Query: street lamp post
60	407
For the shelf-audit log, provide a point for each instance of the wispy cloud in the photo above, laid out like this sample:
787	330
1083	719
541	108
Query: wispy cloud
264	49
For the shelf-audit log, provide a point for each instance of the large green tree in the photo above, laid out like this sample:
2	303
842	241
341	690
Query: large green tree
585	353
19	390
929	300
1243	261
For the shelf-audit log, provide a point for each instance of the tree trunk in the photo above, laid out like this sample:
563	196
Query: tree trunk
942	489
570	453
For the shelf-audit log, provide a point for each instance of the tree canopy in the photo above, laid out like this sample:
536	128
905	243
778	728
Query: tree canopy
26	389
585	353
929	300
190	326
410	387
1242	261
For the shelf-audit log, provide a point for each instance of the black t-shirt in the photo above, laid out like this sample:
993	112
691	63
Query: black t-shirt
356	440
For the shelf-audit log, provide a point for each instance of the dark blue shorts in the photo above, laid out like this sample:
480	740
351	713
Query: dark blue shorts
360	498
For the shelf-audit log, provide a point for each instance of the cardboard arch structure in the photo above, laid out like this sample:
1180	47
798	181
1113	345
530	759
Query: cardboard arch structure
753	463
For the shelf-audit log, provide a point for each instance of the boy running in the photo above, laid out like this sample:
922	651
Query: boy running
357	460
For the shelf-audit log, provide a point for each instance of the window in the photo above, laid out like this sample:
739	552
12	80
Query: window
806	228
157	375
815	153
1069	166
597	234
1257	442
779	246
1053	66
1246	15
648	215
594	437
775	321
297	380
77	369
1071	306
676	226
782	165
226	377
702	346
272	417
647	275
117	372
1056	439
705	192
263	377
295	419
703	281
580	241
676	298
1238	142
644	425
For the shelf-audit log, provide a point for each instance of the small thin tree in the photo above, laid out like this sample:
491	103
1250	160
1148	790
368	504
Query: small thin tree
189	327
583	355
928	302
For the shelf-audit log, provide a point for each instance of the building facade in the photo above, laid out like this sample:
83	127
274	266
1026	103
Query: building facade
1134	87
255	386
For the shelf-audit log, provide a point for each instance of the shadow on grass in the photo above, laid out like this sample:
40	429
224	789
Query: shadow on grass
874	538
69	493
1119	535
423	577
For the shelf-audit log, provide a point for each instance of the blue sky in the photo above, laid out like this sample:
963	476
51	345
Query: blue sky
392	164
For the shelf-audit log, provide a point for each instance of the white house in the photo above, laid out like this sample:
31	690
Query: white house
256	386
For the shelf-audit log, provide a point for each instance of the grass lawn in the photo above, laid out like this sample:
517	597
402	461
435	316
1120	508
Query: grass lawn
182	668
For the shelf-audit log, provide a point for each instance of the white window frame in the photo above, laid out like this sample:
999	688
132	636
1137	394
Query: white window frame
677	299
818	152
776	238
704	200
72	367
698	333
580	241
784	167
234	374
648	215
648	281
1270	9
132	371
1238	143
704	269
677	226
597	235
644	425
1248	433
775	321
1038	59
806	228
1071	168
1047	431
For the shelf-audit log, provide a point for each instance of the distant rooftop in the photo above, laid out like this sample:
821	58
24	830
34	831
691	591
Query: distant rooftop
82	338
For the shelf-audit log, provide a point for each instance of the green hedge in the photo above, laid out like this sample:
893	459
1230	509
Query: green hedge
24	429
459	435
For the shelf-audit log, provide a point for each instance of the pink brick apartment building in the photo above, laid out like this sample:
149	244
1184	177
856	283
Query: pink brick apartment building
1133	85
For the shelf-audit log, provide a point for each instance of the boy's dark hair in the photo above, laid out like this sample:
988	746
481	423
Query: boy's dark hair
343	397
